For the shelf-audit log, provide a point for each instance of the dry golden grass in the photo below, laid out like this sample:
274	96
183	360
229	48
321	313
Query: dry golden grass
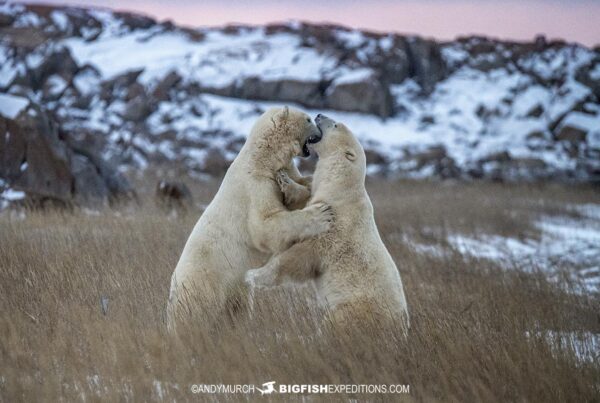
469	318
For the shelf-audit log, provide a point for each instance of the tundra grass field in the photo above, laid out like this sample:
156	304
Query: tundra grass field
83	294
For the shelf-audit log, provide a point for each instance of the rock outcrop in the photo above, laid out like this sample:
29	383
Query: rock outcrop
35	159
471	108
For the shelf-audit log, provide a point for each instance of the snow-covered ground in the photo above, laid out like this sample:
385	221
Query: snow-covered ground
11	106
450	117
566	244
585	345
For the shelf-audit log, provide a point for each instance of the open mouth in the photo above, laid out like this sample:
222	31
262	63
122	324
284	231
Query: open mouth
312	139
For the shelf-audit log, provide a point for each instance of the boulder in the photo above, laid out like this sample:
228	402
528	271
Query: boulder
256	88
119	84
394	63
6	19
427	65
435	159
135	21
89	187
307	93
588	76
535	112
173	194
135	90
521	168
25	38
501	156
375	158
235	145
571	134
12	151
193	35
162	88
47	164
215	163
367	95
59	63
427	120
138	109
536	135
432	155
118	186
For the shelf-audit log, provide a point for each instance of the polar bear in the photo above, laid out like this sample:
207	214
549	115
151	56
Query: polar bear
246	222
353	271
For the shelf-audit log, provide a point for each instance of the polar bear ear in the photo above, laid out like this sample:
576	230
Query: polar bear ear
285	112
350	155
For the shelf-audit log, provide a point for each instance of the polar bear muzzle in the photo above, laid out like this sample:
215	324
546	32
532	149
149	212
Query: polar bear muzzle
312	139
324	123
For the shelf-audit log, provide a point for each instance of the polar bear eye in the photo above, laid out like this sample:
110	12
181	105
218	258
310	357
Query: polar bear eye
308	120
335	125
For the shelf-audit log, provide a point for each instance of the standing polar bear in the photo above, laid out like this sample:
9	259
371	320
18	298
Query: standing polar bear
353	271
246	222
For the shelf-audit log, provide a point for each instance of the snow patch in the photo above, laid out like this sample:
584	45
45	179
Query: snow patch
12	195
354	76
595	73
582	121
11	106
60	19
565	243
351	39
585	345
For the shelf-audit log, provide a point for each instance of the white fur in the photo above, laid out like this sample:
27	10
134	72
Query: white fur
354	272
246	222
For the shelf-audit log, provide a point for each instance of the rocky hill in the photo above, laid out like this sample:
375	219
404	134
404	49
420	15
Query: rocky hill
87	94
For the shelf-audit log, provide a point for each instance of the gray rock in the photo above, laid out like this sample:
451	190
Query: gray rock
435	158
367	96
13	145
135	21
89	187
375	158
535	112
162	88
584	76
303	92
25	38
48	172
215	163
426	63
118	86
501	156
173	194
6	20
45	163
138	109
58	62
571	134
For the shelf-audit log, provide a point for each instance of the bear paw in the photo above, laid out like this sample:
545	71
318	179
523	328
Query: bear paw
283	180
321	217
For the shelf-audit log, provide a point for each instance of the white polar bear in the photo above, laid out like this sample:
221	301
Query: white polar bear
353	271
246	222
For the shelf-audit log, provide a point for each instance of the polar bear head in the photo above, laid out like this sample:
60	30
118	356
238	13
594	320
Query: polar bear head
342	161
337	140
282	133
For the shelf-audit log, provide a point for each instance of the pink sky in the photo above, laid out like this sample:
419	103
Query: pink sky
575	20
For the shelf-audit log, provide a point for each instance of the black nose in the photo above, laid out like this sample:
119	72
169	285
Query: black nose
319	115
